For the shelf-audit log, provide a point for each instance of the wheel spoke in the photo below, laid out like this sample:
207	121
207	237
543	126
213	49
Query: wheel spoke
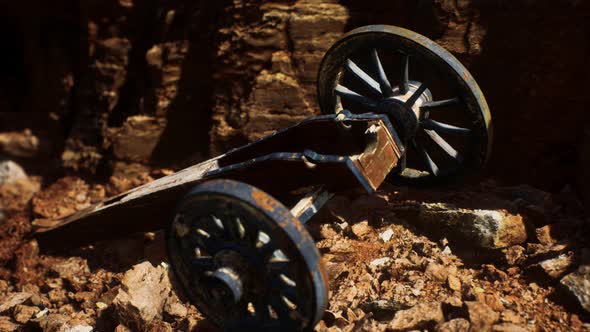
251	235
426	157
404	85
202	238
360	74
234	227
280	307
441	103
444	127
346	93
383	81
412	100
444	145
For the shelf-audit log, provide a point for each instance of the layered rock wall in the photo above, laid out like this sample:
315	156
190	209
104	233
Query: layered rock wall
112	84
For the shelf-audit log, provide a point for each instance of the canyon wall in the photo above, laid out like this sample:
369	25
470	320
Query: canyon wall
116	87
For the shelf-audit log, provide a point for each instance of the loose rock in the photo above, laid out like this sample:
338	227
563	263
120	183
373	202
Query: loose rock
578	284
492	273
515	255
19	144
141	299
13	300
481	316
436	272
507	327
6	325
386	235
382	309
544	234
174	308
23	313
558	266
361	229
80	328
454	325
491	229
11	172
379	262
454	283
422	316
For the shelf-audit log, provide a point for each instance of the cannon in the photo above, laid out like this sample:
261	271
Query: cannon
395	107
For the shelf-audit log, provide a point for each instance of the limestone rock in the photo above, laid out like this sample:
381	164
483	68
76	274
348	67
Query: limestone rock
454	283
493	273
508	327
515	255
422	316
361	229
6	325
62	323
23	313
19	144
436	272
481	316
490	229
11	172
386	235
379	263
54	323
16	188
174	307
578	284
13	300
143	293
73	266
558	266
382	309
545	234
80	328
454	325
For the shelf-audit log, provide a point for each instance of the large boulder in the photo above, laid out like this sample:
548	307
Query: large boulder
490	229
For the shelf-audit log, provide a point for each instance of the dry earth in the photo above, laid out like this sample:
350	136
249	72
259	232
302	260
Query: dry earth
471	258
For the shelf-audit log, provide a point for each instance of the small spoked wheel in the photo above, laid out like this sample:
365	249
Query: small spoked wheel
244	260
433	102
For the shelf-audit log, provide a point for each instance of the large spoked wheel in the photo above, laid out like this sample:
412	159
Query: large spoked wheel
245	261
433	102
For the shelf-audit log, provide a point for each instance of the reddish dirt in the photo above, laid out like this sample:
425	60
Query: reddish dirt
78	287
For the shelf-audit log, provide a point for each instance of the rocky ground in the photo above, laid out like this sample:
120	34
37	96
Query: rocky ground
110	92
478	257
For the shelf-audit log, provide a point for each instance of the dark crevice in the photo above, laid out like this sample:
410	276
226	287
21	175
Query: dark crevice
185	139
136	81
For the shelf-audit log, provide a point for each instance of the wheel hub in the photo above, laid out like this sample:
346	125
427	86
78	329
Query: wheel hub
404	117
236	274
